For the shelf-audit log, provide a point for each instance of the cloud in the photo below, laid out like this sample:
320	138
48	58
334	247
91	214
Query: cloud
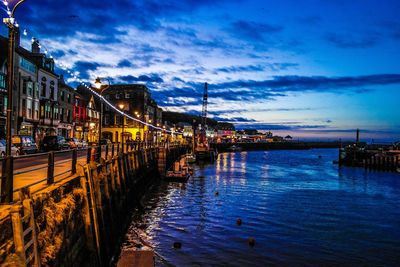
286	84
253	31
351	41
84	67
234	119
256	68
125	63
152	78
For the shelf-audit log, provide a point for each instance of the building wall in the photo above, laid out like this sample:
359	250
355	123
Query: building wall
66	100
137	102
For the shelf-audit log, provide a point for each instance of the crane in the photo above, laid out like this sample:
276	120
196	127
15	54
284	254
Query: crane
203	137
202	150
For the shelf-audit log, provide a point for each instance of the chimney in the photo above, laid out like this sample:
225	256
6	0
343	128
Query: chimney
17	37
35	46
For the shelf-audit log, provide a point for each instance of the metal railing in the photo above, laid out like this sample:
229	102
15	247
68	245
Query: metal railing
18	168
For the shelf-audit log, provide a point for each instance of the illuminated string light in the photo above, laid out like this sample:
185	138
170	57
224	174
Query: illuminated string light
81	81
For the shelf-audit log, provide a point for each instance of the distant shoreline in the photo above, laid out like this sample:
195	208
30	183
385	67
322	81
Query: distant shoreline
227	147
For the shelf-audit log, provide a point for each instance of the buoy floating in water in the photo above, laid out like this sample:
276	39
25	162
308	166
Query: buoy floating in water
252	242
239	221
217	193
177	245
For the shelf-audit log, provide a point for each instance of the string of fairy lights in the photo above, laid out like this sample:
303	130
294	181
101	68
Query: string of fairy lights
76	78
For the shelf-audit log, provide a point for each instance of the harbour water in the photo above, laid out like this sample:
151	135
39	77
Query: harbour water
300	208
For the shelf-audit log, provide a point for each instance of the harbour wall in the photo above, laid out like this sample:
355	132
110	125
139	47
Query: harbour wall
81	219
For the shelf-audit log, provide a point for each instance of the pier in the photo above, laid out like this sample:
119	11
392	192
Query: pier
385	158
80	217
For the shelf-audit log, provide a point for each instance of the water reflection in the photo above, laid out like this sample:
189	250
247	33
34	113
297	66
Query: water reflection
301	209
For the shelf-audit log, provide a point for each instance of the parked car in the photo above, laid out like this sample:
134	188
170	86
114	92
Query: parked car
73	143
25	144
14	149
84	144
54	143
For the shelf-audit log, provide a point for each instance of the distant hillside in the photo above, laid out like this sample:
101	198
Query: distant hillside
176	117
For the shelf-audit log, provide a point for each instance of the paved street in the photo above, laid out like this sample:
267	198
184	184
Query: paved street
32	169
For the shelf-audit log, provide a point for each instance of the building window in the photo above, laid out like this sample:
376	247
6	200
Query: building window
2	81
62	114
25	64
107	119
69	98
24	85
68	115
43	89
30	88
48	112
117	96
52	93
23	107
42	111
56	113
62	95
36	90
29	109
127	95
36	111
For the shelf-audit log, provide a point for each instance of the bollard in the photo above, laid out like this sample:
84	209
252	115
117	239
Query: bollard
50	168
74	160
7	180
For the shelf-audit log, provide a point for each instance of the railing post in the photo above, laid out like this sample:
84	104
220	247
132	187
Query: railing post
98	153
118	148
89	154
106	156
50	168
7	184
74	160
112	150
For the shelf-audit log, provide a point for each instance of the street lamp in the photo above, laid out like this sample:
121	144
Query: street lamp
6	190
11	25
121	107
100	88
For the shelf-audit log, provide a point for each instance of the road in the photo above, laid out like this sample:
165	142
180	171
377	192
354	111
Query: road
32	169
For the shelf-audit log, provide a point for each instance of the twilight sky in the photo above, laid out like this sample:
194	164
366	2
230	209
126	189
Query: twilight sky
311	68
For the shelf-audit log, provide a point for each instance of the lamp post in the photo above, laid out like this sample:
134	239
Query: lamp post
11	25
100	89
121	107
6	190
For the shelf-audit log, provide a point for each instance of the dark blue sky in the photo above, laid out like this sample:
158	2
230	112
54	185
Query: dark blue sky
316	68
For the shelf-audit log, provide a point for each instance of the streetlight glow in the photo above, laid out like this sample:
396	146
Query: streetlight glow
98	83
